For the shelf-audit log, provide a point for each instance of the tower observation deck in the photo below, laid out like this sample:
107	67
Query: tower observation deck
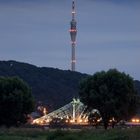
73	33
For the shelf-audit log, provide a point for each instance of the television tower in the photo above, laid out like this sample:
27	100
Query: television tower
73	32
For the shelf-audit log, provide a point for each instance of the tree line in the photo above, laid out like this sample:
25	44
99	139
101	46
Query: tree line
111	92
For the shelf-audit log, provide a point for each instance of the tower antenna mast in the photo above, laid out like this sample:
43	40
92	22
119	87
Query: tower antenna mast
73	33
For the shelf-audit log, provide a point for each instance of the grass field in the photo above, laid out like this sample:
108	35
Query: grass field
40	134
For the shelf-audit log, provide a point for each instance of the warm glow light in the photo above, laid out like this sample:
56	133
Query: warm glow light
133	120
67	121
72	30
35	121
137	120
44	111
71	121
98	120
110	120
85	121
80	120
47	120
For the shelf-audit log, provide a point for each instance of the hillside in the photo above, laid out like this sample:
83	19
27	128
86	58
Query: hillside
51	86
137	85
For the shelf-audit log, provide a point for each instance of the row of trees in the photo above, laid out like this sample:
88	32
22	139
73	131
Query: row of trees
112	93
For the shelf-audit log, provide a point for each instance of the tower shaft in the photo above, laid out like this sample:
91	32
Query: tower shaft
73	33
73	58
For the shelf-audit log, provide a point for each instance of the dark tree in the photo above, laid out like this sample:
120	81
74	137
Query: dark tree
16	101
112	93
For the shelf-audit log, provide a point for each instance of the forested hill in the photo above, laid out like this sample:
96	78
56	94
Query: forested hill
137	85
53	87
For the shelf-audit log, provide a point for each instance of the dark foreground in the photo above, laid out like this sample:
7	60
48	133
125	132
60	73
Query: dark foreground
41	134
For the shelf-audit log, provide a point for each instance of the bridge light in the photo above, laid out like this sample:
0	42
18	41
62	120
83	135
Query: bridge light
133	120
80	120
71	121
85	121
137	120
47	121
66	121
98	120
110	120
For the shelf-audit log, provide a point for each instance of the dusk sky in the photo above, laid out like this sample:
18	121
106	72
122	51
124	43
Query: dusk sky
37	32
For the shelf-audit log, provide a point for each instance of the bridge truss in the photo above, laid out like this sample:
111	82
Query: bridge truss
74	112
